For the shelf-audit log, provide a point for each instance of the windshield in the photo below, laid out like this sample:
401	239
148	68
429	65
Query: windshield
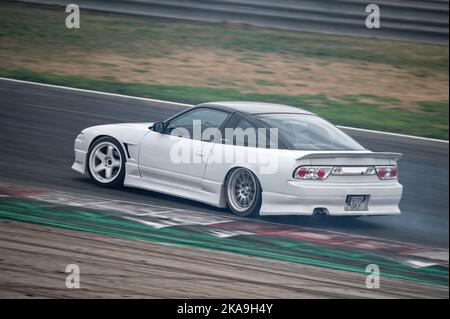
309	132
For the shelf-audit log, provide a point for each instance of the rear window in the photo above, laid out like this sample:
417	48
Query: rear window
309	132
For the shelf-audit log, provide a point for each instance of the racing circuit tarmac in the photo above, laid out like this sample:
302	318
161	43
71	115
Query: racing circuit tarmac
38	125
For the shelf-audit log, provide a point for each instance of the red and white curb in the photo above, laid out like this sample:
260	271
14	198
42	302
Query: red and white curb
226	226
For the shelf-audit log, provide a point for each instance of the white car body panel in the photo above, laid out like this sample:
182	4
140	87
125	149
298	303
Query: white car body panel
148	166
155	164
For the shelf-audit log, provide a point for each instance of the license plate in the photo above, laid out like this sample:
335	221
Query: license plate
357	202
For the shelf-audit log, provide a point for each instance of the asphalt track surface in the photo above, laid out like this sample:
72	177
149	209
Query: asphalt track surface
38	126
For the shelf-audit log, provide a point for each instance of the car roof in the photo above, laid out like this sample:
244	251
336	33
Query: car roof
254	107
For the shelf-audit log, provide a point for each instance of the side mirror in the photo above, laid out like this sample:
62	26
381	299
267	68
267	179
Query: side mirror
158	127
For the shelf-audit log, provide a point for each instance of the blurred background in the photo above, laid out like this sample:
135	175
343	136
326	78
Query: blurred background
318	55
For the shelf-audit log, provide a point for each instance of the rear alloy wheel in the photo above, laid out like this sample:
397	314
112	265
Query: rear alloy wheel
106	162
243	193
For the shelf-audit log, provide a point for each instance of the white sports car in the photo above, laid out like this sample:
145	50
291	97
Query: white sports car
255	158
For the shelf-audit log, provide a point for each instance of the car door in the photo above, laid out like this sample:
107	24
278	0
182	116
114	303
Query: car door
178	156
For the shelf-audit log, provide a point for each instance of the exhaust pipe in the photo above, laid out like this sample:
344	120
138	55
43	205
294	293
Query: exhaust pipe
320	212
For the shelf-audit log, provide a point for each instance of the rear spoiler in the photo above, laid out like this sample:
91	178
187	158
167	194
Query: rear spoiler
385	155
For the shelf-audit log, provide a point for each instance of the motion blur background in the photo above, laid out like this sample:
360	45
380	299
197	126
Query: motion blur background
214	50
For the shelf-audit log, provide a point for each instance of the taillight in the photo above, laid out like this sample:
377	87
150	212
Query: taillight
386	172
313	172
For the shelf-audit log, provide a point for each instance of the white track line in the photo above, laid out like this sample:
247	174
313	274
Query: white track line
393	134
95	92
190	105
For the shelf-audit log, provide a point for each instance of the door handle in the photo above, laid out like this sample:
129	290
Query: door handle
201	154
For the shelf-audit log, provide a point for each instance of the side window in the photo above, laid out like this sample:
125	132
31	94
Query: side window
205	118
245	134
241	132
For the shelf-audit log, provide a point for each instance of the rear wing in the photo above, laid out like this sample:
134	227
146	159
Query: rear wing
381	155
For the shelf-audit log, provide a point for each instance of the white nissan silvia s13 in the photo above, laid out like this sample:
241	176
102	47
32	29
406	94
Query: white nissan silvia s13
254	158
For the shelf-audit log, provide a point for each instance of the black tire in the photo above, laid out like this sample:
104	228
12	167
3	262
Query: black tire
117	169
233	203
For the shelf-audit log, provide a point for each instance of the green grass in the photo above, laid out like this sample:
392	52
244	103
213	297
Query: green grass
267	83
349	110
264	72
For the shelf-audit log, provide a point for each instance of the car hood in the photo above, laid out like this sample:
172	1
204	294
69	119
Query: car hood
130	133
121	126
145	125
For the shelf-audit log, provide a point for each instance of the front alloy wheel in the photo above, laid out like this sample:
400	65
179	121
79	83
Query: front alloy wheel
106	162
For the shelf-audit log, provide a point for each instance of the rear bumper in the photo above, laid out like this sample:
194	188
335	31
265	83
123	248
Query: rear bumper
304	198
